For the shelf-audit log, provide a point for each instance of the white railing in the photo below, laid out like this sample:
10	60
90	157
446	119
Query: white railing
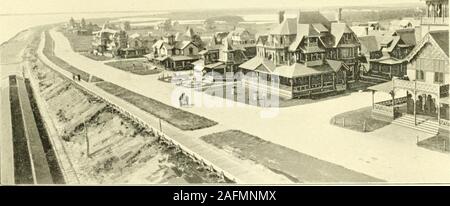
397	101
444	122
382	109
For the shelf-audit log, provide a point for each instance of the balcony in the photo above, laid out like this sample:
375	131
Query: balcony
434	21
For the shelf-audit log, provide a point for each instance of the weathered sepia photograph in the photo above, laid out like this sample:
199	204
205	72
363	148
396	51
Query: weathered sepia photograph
224	92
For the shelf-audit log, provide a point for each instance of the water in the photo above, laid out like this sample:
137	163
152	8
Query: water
12	24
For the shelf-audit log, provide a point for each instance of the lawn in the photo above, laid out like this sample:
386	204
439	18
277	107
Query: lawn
134	66
176	117
296	166
95	57
79	43
437	143
48	52
355	119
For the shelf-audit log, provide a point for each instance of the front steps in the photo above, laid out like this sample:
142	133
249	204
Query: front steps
427	126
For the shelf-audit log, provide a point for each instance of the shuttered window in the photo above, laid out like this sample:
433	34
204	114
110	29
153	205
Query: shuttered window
420	75
439	77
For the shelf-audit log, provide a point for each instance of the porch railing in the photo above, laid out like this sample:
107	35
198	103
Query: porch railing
397	101
444	123
383	109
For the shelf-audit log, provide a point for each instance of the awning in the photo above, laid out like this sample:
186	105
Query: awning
383	87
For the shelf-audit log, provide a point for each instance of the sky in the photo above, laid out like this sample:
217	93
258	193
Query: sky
49	6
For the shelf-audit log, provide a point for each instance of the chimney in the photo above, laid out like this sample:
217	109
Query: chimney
280	17
339	17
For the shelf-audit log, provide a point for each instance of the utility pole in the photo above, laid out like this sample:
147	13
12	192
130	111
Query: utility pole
160	126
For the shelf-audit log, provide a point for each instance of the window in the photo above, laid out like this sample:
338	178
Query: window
347	53
439	77
191	51
420	75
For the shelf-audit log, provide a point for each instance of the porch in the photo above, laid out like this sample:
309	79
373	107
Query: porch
298	86
386	69
173	63
423	104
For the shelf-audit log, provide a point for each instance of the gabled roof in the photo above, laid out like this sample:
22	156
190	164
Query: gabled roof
158	43
394	41
296	43
336	65
368	44
287	27
238	32
338	30
441	38
298	70
182	44
305	30
262	39
437	38
255	62
406	35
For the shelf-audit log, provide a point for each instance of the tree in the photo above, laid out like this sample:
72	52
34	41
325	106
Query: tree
126	26
71	21
83	23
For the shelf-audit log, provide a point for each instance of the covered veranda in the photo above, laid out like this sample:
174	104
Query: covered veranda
387	68
391	104
419	99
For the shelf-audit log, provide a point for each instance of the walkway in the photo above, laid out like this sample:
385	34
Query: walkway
304	128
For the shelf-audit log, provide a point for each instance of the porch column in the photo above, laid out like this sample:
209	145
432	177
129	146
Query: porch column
415	103
390	71
438	106
334	81
309	79
321	80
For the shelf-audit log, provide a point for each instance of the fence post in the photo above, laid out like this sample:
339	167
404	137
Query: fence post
364	126
343	121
